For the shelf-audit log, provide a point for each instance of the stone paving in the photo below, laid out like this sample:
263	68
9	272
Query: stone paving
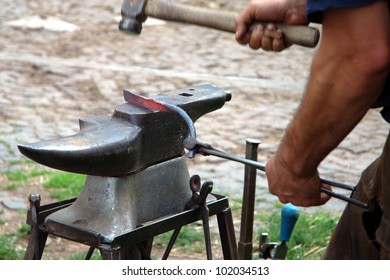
49	79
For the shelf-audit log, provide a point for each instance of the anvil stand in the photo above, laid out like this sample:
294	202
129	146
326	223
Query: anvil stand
131	244
122	246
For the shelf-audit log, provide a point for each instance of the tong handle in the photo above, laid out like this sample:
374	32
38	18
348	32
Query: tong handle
290	215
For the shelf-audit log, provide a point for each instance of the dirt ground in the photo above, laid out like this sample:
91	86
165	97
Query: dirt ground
50	78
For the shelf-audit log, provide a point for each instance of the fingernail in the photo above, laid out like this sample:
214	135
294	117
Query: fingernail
270	26
259	28
279	34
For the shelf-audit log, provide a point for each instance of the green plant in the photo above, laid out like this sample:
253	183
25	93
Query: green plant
310	236
95	256
9	249
20	178
63	185
190	238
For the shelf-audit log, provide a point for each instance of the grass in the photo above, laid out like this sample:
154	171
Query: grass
310	235
8	244
7	248
62	185
190	238
18	179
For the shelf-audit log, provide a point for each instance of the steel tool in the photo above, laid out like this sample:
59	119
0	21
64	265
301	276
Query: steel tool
206	149
245	244
290	215
274	250
135	12
198	199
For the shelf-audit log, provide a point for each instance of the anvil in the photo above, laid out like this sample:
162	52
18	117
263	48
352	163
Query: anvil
134	160
130	140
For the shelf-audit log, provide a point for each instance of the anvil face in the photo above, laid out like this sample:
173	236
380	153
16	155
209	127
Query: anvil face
130	140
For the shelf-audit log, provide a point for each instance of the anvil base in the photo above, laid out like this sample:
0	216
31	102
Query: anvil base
112	205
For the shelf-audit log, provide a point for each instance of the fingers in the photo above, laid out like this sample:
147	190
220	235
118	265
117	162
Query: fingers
268	38
290	188
303	199
243	21
278	42
256	37
325	197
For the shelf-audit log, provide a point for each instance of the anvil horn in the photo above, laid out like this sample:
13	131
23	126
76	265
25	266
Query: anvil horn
130	140
101	142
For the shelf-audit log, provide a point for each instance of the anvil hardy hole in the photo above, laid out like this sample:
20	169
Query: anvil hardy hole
186	94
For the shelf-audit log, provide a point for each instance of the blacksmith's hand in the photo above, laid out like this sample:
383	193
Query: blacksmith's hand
268	36
301	190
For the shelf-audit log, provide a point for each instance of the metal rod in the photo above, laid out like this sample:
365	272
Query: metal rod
347	199
89	253
245	245
171	243
261	167
187	119
206	232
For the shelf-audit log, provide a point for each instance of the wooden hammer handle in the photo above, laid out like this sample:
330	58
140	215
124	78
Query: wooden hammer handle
224	20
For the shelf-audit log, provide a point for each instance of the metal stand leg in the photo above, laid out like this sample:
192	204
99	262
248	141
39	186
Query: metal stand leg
121	253
245	245
36	245
38	238
227	235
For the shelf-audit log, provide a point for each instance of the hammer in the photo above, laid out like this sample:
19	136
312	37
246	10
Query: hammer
135	12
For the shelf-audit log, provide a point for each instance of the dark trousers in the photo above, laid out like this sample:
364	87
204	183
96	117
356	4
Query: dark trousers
364	234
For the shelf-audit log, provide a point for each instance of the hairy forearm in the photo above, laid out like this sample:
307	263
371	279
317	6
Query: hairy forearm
344	82
328	112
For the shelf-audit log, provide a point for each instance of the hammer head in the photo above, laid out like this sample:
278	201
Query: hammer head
133	15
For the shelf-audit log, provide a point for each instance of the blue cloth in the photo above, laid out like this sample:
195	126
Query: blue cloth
314	11
315	8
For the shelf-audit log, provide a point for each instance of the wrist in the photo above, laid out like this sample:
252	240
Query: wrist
295	156
296	12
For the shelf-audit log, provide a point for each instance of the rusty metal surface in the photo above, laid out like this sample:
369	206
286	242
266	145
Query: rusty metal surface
110	206
130	140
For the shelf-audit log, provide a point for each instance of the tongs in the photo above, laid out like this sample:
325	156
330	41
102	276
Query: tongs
195	146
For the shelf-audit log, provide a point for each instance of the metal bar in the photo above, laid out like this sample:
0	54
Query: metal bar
206	231
89	253
245	245
171	242
347	199
227	234
261	167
